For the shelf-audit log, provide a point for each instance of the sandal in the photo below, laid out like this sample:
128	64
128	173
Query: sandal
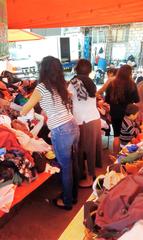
59	203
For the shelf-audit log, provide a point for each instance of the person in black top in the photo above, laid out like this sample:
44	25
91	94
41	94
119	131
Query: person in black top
120	92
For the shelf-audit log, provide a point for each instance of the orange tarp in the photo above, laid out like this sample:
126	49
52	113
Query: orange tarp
15	35
62	13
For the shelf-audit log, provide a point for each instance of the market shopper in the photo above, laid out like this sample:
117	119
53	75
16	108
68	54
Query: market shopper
120	92
129	129
53	96
85	111
111	74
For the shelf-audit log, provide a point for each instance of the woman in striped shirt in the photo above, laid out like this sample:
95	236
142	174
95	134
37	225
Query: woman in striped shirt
53	96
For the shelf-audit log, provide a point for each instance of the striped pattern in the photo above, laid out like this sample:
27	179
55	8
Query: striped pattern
52	105
129	130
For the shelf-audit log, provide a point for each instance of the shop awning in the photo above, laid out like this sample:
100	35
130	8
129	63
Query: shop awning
15	35
62	13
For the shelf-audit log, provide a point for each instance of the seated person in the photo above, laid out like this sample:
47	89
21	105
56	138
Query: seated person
129	128
104	110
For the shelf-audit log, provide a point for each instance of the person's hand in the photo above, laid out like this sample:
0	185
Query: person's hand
100	103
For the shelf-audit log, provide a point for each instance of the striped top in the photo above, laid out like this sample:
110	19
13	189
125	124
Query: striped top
128	131
54	108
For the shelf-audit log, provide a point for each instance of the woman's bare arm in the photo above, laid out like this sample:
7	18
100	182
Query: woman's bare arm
34	99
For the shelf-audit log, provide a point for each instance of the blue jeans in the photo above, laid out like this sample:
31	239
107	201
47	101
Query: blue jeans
65	139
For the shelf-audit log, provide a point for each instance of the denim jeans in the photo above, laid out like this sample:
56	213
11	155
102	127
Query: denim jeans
65	139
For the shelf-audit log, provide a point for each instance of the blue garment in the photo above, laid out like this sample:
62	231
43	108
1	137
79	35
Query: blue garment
2	151
20	99
102	64
87	48
132	148
65	139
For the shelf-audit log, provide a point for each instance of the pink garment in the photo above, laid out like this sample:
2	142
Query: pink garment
32	144
4	119
6	197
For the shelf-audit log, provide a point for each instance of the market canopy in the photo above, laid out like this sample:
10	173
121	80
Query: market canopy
62	13
15	35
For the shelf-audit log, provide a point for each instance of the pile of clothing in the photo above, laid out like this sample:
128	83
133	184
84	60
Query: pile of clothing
25	149
116	212
19	144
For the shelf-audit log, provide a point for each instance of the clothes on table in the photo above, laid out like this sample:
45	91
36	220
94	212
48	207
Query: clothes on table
5	120
51	169
9	141
6	197
117	210
125	208
26	141
30	143
6	110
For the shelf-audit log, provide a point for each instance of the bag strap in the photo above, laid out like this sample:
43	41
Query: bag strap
96	182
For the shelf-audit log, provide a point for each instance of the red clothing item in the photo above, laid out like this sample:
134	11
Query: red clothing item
9	141
121	207
5	91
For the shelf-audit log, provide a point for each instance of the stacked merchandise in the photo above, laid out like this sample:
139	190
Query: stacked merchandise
23	155
116	212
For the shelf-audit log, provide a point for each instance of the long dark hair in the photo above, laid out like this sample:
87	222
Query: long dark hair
122	84
83	68
52	76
